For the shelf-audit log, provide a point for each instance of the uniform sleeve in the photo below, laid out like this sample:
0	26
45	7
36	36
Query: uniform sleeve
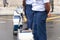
46	1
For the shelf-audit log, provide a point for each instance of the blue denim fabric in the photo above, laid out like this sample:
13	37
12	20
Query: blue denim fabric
39	25
29	15
15	27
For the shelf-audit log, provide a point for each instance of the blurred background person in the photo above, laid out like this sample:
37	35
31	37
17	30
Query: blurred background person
5	3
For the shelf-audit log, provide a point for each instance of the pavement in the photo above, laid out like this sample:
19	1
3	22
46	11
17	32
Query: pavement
7	10
6	28
6	25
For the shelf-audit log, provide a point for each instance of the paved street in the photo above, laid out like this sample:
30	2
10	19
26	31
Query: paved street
53	29
6	28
